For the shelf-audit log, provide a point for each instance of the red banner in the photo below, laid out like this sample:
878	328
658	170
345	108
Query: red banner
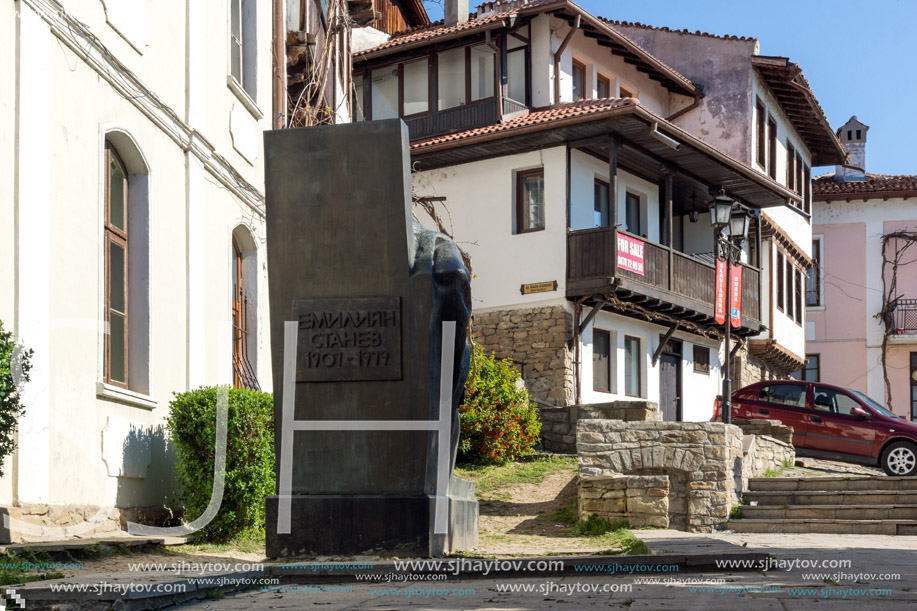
720	302
735	297
630	254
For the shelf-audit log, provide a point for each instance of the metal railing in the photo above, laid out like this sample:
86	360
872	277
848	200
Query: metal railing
905	316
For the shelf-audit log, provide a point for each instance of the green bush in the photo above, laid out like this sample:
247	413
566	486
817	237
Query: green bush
14	373
499	419
249	459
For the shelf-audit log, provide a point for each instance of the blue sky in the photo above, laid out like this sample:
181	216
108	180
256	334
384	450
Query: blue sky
859	57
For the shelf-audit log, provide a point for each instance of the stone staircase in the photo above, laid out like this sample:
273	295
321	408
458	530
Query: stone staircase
872	505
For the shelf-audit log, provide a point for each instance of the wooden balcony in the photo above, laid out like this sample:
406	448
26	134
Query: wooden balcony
672	282
470	116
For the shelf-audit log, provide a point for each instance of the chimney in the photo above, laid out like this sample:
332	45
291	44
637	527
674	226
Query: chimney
853	136
455	12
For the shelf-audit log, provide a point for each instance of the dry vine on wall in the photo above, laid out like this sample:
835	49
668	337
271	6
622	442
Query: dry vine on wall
902	241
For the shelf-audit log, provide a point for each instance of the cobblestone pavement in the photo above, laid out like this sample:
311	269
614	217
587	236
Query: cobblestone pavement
807	572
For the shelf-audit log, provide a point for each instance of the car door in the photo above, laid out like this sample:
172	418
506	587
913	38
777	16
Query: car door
833	428
783	401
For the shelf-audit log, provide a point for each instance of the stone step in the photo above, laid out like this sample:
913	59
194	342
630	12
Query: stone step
830	497
860	482
844	527
830	512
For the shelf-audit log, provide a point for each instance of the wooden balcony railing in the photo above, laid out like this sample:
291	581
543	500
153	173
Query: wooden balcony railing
668	275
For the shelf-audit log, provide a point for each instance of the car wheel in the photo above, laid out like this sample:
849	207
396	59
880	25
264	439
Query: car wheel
900	458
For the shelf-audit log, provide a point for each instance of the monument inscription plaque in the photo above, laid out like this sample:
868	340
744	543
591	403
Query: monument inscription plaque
354	338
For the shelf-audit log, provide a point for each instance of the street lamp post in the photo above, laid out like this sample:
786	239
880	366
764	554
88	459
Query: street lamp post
727	215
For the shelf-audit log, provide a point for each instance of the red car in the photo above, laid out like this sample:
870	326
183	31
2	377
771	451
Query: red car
831	422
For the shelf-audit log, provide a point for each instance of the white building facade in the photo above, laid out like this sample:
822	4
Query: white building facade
132	226
519	166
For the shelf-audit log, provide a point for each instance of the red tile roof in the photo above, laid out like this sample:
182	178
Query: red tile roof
643	26
878	184
435	30
540	117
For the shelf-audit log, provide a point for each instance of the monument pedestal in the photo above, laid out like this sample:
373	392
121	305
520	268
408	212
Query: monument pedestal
355	524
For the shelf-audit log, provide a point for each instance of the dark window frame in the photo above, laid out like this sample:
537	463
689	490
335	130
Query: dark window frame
120	238
578	65
790	166
629	197
761	131
521	221
797	294
639	366
807	189
788	279
607	186
772	147
814	274
602	79
528	70
802	374
607	336
702	365
778	281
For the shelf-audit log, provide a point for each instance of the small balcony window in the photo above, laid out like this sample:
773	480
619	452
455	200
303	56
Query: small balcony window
482	72
579	81
385	93
530	201
417	87
601	203
451	78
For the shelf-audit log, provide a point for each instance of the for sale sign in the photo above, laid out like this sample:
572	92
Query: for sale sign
630	254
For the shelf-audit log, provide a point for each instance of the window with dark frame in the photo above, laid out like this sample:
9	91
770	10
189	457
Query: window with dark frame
632	368
807	189
517	61
600	216
701	359
772	147
579	81
603	86
790	166
788	276
601	361
813	276
798	173
627	93
913	385
115	370
797	294
530	201
779	281
810	372
761	144
632	213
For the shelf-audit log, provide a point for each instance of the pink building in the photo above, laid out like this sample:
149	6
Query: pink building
861	293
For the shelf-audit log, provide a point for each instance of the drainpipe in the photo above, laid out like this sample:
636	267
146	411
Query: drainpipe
560	51
279	119
684	110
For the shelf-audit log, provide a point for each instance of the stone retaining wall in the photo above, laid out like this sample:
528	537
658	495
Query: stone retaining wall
536	339
641	500
698	458
558	424
769	428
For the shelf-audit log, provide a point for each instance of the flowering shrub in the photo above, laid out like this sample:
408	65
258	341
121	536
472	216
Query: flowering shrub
500	421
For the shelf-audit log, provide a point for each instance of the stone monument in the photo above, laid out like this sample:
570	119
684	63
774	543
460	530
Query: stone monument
369	313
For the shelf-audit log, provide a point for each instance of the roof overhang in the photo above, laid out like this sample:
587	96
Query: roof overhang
694	160
592	27
785	80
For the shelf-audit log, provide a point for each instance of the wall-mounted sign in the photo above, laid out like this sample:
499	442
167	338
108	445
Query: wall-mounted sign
630	254
538	287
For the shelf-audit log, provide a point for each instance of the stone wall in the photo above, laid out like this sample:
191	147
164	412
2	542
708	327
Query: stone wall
536	339
45	521
766	445
558	424
641	500
700	461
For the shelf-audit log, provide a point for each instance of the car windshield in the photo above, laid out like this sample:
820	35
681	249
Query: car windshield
873	404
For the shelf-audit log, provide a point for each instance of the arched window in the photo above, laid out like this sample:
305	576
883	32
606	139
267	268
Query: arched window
116	269
126	259
244	310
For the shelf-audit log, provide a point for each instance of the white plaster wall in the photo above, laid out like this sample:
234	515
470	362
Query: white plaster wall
65	107
584	169
542	56
480	204
698	390
597	59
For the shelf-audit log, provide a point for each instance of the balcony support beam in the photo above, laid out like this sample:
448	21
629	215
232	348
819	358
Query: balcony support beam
601	303
665	340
